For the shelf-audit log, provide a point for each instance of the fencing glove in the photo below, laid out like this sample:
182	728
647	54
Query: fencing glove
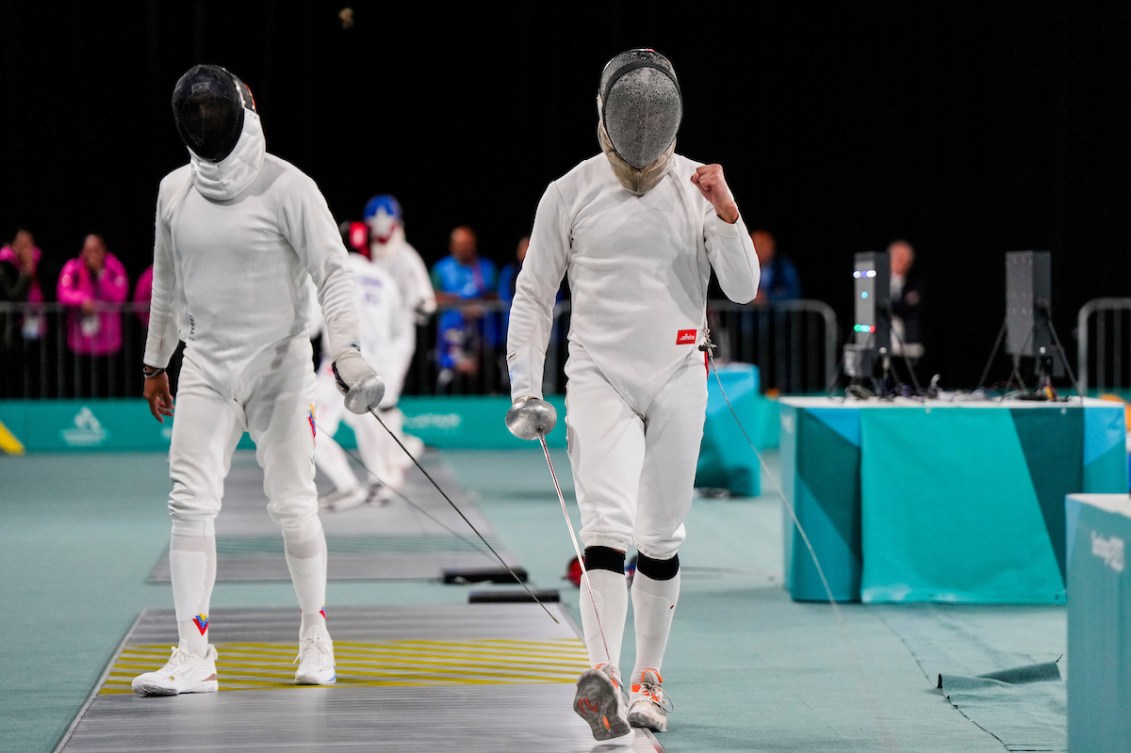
357	380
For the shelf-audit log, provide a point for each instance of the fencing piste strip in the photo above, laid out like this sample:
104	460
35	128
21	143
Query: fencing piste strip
357	459
465	520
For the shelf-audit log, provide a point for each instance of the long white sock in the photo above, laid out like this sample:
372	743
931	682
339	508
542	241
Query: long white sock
306	559
192	573
610	592
653	607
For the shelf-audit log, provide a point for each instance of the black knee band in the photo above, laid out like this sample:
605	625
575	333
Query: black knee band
604	558
657	569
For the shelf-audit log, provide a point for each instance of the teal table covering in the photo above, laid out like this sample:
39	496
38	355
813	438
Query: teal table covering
726	458
906	501
1099	622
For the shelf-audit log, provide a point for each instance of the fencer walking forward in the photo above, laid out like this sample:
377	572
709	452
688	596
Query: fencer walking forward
239	233
638	230
387	344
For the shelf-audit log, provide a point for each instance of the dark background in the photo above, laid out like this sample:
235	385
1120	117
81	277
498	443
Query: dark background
971	129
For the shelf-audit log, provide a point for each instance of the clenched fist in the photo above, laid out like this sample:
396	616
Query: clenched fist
711	183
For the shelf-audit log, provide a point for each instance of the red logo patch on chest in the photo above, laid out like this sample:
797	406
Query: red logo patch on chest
686	337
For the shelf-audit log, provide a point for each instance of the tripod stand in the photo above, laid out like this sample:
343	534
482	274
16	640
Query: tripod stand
1045	362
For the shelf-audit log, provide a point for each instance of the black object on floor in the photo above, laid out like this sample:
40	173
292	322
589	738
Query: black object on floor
484	575
545	595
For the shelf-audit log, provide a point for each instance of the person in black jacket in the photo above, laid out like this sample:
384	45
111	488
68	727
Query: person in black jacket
906	301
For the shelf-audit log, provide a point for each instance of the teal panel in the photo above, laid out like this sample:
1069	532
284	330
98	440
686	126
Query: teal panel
769	423
727	459
13	414
827	504
471	422
828	553
1108	473
1047	438
1099	623
1105	449
844	421
949	513
444	422
788	473
102	425
1104	428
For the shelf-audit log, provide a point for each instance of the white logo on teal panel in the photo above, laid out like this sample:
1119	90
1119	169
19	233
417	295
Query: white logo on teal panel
1109	550
87	430
441	421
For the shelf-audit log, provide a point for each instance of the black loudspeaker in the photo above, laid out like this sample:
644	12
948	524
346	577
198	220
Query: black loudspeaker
1028	297
871	282
871	314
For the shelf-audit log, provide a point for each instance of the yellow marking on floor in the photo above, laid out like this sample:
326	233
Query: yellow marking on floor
397	663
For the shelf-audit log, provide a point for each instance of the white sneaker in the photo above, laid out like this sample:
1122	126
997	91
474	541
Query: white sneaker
380	495
315	658
647	705
414	445
185	672
600	702
337	501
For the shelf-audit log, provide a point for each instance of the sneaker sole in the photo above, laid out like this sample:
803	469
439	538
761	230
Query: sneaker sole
648	719
596	703
147	689
311	680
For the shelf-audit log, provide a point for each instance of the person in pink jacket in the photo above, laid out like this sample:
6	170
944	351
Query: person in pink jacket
90	285
143	291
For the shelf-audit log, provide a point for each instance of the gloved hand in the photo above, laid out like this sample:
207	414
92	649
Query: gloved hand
358	381
530	417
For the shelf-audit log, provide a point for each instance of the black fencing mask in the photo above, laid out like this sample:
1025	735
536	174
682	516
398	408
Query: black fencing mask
208	107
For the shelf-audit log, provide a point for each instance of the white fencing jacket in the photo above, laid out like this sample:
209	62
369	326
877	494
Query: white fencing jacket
638	271
387	336
236	244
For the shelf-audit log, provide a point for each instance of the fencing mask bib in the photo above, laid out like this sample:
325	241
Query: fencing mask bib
208	107
639	109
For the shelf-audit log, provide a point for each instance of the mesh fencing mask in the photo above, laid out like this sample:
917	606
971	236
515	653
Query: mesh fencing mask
383	215
640	107
208	108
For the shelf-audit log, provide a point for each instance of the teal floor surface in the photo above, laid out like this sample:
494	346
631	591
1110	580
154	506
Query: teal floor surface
747	668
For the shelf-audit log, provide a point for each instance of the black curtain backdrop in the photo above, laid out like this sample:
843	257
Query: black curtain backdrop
971	129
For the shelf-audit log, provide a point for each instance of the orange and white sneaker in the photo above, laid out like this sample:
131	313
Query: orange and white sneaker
647	705
600	702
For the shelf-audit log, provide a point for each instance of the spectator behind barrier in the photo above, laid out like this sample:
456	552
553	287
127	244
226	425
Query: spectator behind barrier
142	293
19	330
465	333
92	286
780	280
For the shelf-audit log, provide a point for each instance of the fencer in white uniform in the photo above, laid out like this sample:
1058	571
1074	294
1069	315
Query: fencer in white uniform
389	249
240	234
638	230
387	344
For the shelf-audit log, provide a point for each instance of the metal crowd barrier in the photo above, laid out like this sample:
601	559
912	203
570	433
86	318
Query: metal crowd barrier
36	361
1103	354
793	344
